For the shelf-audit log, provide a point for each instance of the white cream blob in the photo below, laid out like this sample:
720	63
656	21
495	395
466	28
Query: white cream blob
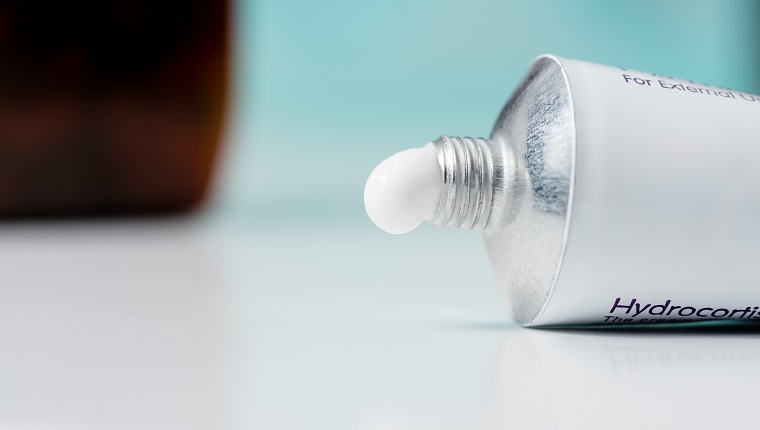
404	189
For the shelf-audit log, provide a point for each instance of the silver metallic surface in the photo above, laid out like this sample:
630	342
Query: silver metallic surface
533	146
468	185
517	187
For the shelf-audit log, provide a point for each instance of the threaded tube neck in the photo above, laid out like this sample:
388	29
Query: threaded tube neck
467	167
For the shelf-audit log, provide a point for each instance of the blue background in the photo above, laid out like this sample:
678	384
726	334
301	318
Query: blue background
323	91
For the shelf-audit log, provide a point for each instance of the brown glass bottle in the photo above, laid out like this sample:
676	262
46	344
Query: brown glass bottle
109	107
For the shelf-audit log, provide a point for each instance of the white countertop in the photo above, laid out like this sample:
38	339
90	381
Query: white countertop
219	323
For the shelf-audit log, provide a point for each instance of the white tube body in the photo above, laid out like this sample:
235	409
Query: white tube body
662	216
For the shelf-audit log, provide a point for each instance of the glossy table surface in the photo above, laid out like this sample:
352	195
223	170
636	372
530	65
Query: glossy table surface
212	322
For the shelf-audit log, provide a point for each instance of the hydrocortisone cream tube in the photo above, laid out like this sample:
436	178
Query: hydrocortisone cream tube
604	195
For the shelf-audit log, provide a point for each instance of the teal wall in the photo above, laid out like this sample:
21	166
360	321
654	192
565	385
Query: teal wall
325	90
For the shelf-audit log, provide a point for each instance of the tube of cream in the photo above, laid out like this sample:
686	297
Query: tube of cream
604	195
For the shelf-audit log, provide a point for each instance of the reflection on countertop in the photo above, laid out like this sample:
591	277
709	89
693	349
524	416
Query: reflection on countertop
210	323
111	325
672	377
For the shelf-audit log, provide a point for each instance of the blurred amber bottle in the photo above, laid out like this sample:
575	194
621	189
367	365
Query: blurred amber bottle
109	107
